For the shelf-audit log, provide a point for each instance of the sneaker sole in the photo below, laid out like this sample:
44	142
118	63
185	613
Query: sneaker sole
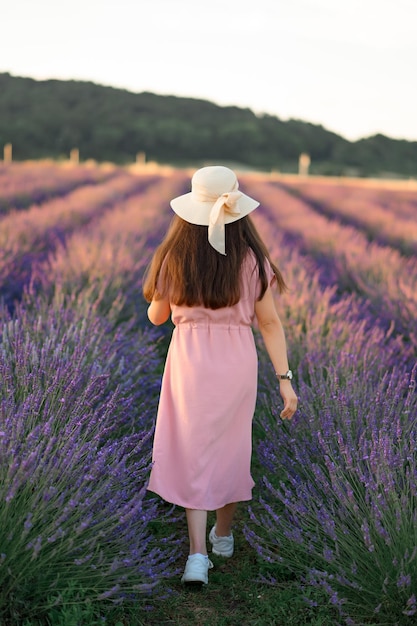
193	583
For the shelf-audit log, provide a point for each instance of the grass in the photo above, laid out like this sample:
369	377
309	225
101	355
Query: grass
234	596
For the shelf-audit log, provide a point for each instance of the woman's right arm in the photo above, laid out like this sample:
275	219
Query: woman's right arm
274	338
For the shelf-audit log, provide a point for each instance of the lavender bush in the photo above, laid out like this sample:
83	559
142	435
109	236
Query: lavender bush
74	464
78	407
338	504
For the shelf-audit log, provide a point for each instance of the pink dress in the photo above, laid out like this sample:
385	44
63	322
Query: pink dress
203	437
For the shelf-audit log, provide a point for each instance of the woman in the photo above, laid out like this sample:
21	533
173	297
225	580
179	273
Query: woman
213	275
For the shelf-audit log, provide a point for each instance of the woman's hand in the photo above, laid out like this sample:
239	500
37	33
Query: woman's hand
289	398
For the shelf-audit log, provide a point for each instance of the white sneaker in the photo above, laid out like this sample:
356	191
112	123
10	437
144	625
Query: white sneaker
222	546
196	569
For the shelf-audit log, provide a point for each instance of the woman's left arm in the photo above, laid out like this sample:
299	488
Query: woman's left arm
159	311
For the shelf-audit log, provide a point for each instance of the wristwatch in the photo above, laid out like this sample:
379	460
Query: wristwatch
287	376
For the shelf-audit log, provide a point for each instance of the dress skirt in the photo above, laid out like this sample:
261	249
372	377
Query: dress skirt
203	438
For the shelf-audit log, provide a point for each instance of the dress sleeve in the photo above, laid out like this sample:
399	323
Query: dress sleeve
270	274
270	277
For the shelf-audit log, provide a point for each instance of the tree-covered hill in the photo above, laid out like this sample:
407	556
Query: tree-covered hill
49	118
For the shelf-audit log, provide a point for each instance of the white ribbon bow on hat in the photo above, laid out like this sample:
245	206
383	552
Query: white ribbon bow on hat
226	203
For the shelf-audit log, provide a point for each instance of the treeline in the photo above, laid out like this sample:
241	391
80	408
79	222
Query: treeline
49	118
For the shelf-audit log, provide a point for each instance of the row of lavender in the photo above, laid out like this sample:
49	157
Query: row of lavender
385	215
78	396
24	184
27	237
338	500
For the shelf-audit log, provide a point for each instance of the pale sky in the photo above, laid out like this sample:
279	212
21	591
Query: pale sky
350	65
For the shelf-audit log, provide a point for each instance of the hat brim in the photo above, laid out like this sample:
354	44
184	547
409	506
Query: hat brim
195	212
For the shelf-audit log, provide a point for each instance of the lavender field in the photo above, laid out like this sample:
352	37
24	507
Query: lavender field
336	497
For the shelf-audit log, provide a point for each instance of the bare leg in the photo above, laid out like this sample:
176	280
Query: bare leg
224	519
197	525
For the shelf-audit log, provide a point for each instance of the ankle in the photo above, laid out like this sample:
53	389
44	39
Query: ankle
222	532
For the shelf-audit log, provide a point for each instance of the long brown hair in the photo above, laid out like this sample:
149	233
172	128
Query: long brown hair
196	274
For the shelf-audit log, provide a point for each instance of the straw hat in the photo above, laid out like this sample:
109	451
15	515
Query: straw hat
214	200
